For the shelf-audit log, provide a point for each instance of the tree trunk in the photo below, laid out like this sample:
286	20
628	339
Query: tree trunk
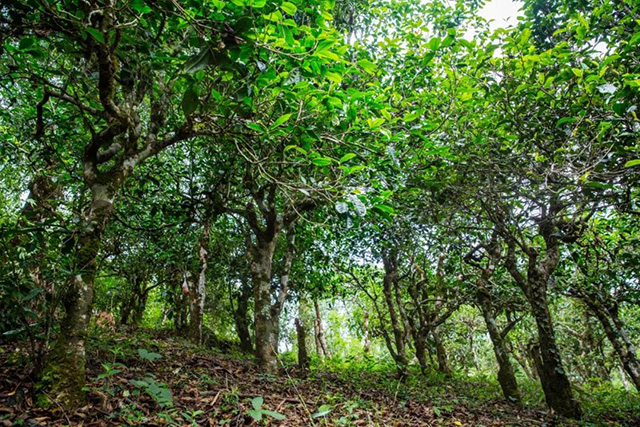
555	384
65	367
241	317
366	341
441	351
261	265
303	355
421	352
197	292
554	381
320	338
617	335
399	335
141	306
506	376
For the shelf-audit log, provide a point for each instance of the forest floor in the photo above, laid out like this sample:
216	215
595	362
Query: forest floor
152	379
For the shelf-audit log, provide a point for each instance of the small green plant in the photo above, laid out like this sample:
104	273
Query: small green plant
148	355
191	416
208	381
158	391
322	411
267	377
110	369
258	412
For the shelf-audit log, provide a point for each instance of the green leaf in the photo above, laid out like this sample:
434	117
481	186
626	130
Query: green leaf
322	161
148	355
273	414
140	6
577	72
26	43
375	123
347	157
367	66
565	120
190	101
384	208
334	77
635	39
257	402
96	34
256	126
31	295
289	7
410	117
325	44
256	415
280	120
258	4
199	61
632	163
322	411
295	147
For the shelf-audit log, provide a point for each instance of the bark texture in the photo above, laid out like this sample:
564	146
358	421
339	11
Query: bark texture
321	342
506	376
303	354
617	334
197	291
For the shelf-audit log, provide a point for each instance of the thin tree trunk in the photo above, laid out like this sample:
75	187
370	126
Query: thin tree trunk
366	341
441	352
320	337
506	376
241	317
617	335
399	335
303	355
261	265
197	293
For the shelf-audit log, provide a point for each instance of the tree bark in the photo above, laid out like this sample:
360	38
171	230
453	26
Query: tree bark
554	381
197	293
390	261
506	376
241	317
321	342
366	341
303	355
618	336
65	367
261	266
441	352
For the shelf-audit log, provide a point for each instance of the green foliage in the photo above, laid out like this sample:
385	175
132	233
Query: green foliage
158	391
258	412
148	355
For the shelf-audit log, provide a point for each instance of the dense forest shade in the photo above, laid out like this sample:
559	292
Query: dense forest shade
385	184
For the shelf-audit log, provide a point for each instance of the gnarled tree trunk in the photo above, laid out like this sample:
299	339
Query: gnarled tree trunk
389	284
506	376
441	352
